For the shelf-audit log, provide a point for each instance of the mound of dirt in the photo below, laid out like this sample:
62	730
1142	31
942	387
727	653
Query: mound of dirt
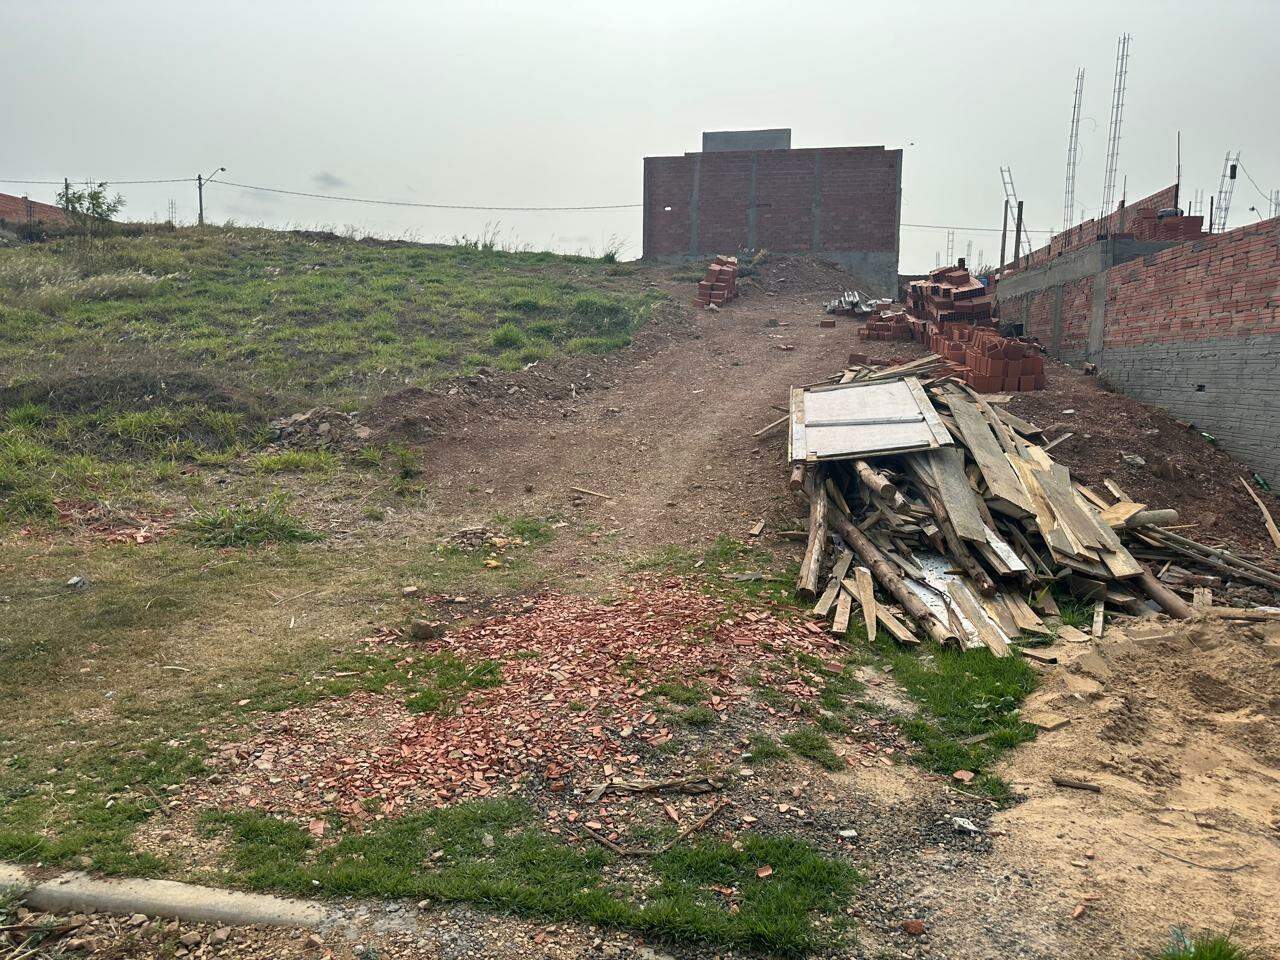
1179	724
131	390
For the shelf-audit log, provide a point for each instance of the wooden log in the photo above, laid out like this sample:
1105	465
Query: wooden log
1074	784
1169	602
879	484
811	566
893	584
797	477
1148	518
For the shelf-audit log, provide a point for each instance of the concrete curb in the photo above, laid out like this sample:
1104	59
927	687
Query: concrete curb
76	891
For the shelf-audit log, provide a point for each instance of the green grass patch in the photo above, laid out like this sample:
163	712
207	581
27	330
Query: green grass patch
698	717
765	749
491	853
1205	946
812	744
966	695
249	525
683	694
444	680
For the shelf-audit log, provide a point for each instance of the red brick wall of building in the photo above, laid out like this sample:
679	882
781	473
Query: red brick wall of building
856	190
1222	285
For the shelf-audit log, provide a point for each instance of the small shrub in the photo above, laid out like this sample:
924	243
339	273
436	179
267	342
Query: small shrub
446	679
679	693
765	749
249	526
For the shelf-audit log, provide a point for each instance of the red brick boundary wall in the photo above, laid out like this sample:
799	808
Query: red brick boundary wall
840	203
1193	327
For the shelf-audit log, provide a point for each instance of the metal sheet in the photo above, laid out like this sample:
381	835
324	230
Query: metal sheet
863	419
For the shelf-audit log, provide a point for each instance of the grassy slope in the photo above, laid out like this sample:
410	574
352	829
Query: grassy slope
124	360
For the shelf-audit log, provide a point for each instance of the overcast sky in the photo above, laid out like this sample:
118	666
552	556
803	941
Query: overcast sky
557	102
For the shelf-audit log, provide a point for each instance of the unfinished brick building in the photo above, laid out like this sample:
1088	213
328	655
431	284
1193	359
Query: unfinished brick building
749	190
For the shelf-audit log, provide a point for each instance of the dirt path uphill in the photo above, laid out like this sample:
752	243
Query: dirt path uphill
671	442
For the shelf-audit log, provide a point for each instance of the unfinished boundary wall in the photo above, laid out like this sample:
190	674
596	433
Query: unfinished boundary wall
1193	327
837	203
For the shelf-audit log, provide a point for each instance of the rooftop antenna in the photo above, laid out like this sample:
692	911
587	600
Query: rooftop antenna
1226	187
1073	150
1117	114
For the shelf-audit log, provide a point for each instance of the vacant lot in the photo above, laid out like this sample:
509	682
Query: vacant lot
488	631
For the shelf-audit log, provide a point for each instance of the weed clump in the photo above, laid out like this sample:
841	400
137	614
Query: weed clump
250	525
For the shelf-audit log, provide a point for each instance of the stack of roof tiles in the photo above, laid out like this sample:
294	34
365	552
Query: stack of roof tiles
950	293
987	361
720	285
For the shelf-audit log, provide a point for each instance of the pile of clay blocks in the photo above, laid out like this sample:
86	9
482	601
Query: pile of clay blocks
720	285
987	361
887	326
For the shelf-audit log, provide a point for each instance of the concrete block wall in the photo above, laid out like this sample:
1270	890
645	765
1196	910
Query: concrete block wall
838	203
1192	327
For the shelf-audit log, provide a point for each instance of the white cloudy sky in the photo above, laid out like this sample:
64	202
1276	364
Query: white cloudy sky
497	102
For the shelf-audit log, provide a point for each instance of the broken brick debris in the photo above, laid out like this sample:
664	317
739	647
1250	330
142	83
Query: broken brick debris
573	701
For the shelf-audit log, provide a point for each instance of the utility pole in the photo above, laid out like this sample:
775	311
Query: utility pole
66	192
1017	235
200	182
1004	232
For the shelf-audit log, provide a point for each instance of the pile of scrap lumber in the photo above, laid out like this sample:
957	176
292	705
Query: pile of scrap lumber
953	509
720	285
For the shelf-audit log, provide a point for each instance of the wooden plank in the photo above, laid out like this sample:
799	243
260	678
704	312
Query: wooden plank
998	611
1071	634
866	597
1091	495
940	435
1057	440
772	426
828	598
1023	615
844	606
957	496
1116	492
796	439
895	626
1267	518
1024	427
1118	514
1201	598
1046	521
1001	479
988	631
1099	615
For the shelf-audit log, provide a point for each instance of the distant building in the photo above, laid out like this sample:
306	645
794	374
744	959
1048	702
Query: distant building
748	189
15	210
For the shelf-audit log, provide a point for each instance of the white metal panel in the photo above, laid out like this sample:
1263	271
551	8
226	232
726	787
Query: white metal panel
863	419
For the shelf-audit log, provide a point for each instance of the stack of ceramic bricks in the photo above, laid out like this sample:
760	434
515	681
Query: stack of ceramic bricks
987	361
887	326
720	285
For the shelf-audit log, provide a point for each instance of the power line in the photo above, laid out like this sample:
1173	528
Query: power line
458	206
1264	196
431	206
110	183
